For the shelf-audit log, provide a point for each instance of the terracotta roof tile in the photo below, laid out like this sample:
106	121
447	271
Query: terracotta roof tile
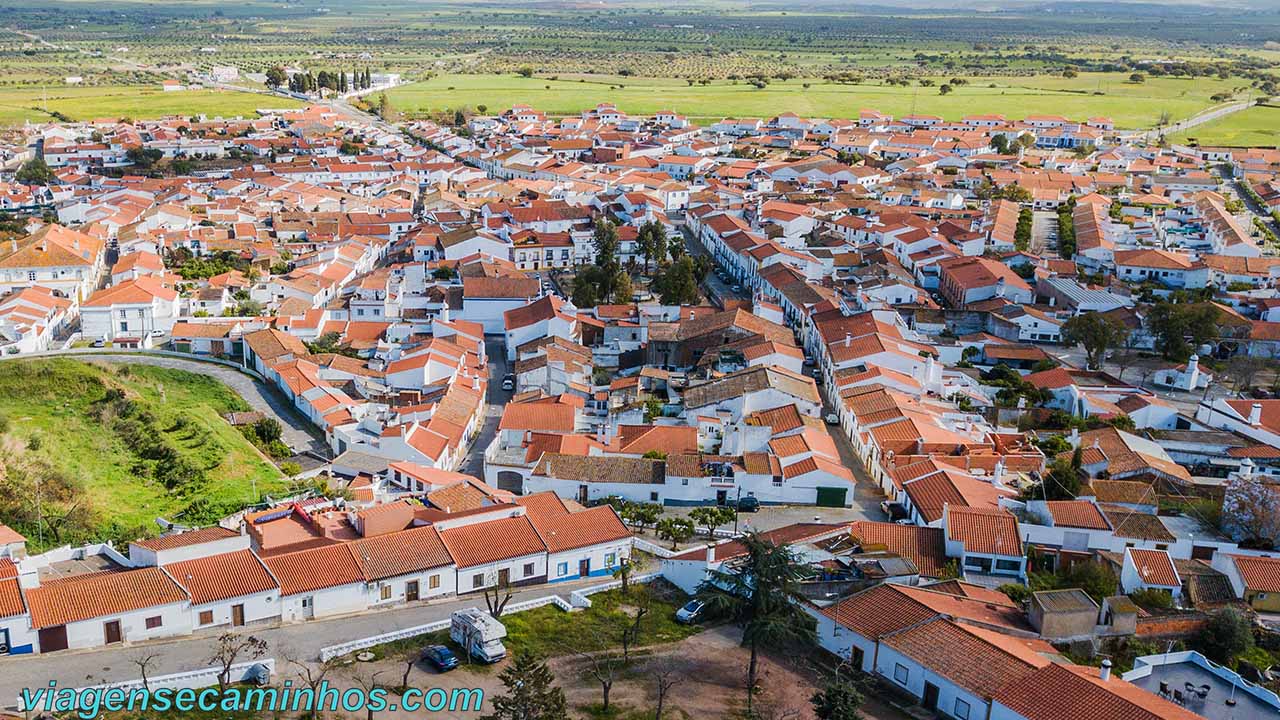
400	553
488	542
83	597
219	577
315	569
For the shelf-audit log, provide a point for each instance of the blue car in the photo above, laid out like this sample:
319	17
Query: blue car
440	657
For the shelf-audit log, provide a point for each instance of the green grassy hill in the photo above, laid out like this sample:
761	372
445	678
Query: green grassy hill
108	447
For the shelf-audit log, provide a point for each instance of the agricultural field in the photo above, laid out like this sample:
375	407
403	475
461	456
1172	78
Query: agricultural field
1129	104
18	105
1258	126
113	446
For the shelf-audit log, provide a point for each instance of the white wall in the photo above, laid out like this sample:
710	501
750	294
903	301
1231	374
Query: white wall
175	620
259	607
917	676
515	566
326	602
446	578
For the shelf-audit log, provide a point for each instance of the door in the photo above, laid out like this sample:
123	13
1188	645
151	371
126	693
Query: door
930	696
111	632
584	567
831	497
504	577
4	641
53	638
582	494
237	615
722	497
411	590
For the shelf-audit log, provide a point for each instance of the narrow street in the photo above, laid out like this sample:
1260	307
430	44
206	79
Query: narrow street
495	399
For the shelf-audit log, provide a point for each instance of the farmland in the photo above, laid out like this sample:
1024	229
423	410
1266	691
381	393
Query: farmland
1258	126
87	103
1087	95
115	446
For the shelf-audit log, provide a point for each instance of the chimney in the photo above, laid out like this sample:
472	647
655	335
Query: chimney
1255	414
1074	438
711	553
1105	673
848	339
997	477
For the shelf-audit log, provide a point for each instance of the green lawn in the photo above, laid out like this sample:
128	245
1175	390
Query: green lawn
56	408
87	103
1258	126
1089	95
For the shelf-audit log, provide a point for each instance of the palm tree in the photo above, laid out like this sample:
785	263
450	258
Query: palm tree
759	593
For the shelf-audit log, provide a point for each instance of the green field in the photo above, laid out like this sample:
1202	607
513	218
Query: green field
140	103
86	431
1088	95
1258	126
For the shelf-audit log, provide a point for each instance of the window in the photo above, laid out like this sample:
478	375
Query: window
653	497
386	592
684	481
528	569
31	276
562	569
433	582
477	580
610	559
123	313
206	617
900	673
154	622
962	709
1013	565
308	602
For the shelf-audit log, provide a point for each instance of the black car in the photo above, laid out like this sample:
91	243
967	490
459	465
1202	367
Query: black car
748	504
439	657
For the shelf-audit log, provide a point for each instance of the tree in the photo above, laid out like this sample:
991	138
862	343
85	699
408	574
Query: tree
605	242
1243	369
675	529
1096	332
622	291
667	671
1178	328
760	594
711	517
144	661
497	596
678	285
311	675
839	699
1137	78
143	157
1022	232
1225	636
604	667
525	72
641	514
228	649
944	90
276	76
531	692
1251	511
268	429
35	172
367	680
385	111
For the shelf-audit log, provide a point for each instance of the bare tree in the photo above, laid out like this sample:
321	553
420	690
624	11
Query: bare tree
368	682
144	661
497	596
603	666
667	671
1242	370
230	647
311	675
410	658
631	633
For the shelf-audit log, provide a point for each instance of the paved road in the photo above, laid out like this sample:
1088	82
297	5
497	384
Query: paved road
297	431
1254	208
1042	223
712	282
300	640
495	399
1201	119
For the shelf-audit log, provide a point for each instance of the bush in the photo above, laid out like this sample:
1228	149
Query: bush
277	450
1152	599
1016	593
290	468
1226	636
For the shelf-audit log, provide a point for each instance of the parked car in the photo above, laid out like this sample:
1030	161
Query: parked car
508	382
100	342
439	657
157	333
749	503
832	419
737	289
895	510
690	613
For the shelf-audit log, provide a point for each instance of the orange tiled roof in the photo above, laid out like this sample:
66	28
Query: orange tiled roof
219	577
82	597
